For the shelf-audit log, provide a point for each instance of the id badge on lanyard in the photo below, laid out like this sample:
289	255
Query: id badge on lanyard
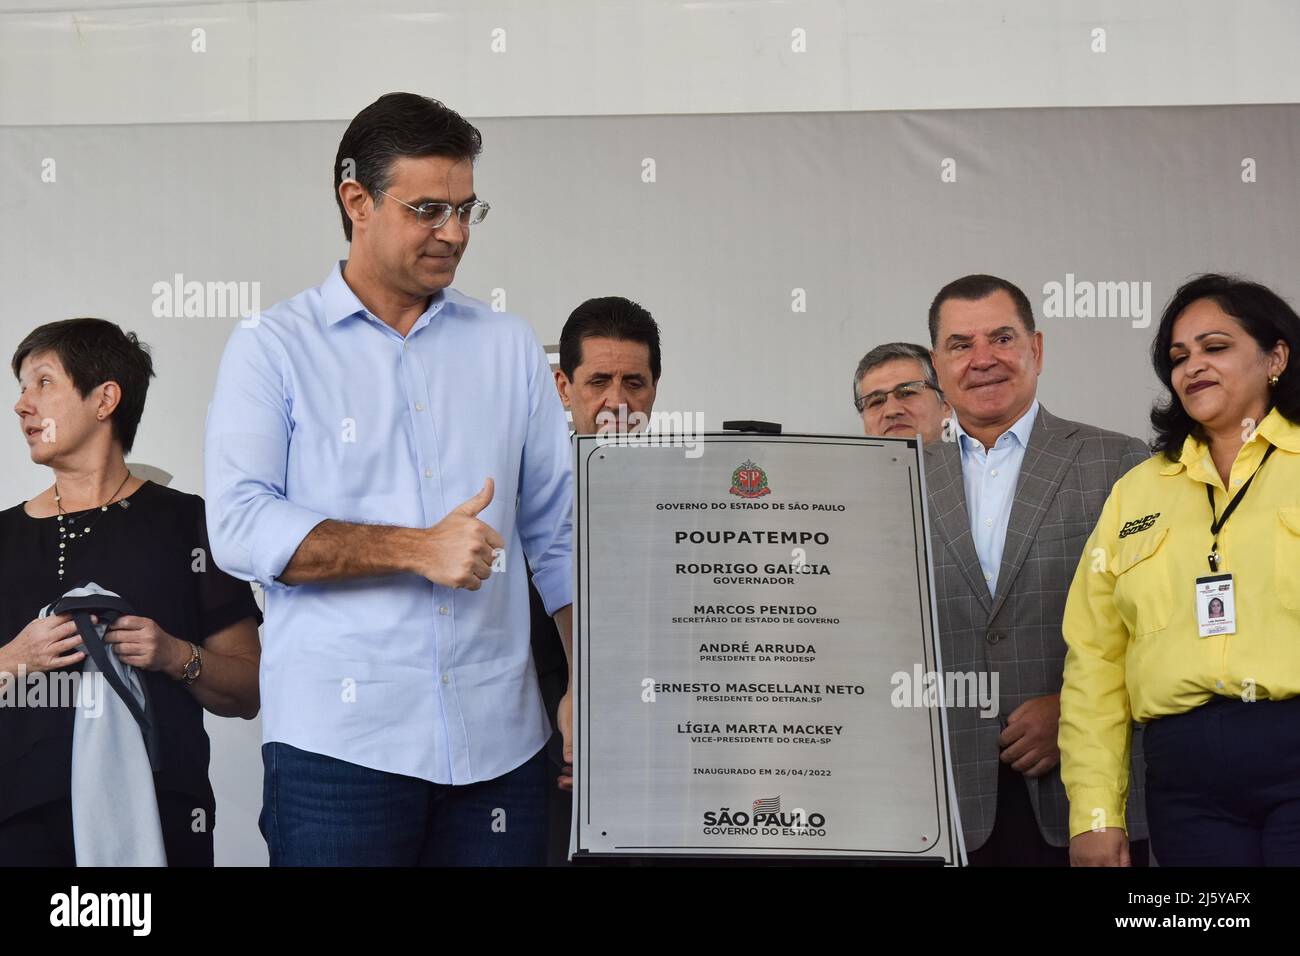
1216	608
1216	605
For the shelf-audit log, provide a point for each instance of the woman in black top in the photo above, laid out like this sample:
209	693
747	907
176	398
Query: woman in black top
194	636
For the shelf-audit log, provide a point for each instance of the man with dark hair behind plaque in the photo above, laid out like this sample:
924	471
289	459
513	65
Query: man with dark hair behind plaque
609	371
1012	502
609	363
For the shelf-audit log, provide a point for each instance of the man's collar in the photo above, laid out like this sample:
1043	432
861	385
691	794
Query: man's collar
337	297
340	302
1020	428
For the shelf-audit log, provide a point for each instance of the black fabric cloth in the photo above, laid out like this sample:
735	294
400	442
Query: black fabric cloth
155	554
42	836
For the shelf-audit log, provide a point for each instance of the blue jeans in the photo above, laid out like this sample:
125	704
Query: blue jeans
321	811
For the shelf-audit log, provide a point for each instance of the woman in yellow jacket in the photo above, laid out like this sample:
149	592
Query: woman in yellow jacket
1184	613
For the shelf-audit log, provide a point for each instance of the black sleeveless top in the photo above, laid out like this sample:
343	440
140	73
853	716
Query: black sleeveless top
155	554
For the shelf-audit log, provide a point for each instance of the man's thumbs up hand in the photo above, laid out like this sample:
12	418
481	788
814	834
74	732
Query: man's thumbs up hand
460	548
474	505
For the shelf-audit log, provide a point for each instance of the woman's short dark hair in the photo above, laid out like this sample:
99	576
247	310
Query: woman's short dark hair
609	317
396	125
1264	314
92	352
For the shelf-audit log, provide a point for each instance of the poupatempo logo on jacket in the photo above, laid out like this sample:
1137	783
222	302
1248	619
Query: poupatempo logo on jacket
1145	523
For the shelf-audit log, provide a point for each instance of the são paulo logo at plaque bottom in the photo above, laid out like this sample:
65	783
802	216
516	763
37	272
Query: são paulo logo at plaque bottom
765	819
749	481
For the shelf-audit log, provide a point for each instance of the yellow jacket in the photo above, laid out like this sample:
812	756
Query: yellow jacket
1130	621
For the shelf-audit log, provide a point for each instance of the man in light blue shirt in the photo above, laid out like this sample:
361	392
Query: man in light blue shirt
382	455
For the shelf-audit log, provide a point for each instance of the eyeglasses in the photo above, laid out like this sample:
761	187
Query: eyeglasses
432	215
903	393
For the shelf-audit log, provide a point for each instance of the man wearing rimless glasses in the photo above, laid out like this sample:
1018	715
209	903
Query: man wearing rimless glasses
382	454
896	392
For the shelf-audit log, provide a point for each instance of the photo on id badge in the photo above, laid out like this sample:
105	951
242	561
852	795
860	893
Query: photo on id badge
1216	612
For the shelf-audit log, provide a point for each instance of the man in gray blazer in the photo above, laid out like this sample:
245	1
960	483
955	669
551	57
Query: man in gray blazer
1014	492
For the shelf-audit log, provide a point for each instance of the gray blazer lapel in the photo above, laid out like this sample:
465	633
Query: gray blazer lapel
1052	449
949	515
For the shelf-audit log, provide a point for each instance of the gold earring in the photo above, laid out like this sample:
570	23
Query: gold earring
1273	380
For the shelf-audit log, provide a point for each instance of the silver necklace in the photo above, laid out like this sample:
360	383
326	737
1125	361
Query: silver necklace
66	535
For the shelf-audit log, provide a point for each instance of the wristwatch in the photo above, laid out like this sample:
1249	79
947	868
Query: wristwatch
194	667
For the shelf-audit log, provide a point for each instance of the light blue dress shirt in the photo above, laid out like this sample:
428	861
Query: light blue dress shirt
990	477
323	411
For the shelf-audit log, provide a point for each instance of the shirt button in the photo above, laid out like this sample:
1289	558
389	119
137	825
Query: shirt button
428	472
988	577
443	610
1219	684
994	472
988	522
1236	482
419	406
446	678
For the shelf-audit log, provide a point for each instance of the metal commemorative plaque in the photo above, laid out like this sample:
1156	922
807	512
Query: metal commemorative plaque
752	617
